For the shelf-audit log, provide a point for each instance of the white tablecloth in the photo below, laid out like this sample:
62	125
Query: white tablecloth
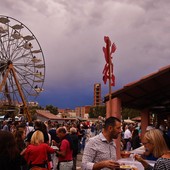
139	150
130	161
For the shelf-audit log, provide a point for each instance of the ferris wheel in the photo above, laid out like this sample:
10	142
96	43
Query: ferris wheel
22	64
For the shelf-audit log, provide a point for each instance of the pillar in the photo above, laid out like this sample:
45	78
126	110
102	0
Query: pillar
144	121
116	112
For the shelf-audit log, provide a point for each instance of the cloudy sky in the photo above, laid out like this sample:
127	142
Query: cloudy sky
71	34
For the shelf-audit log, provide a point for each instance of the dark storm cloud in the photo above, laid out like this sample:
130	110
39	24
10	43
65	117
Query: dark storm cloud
71	35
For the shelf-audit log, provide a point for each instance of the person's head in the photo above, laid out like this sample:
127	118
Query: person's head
154	143
30	124
131	127
4	122
21	126
8	146
112	127
38	124
37	138
73	130
149	127
61	132
162	128
20	134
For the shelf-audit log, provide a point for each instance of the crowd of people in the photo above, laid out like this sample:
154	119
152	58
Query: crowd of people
52	146
49	145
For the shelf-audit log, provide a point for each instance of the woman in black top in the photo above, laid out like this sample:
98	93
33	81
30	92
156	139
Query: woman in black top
135	141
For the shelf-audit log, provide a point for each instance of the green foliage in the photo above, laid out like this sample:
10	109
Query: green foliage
52	109
96	111
130	113
32	109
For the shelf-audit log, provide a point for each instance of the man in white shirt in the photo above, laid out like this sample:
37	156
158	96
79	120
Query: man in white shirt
128	137
100	150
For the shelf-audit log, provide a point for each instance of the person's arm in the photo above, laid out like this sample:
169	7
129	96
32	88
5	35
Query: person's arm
105	164
61	153
23	152
143	162
50	149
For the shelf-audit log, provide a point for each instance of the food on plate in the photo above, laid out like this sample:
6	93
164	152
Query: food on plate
125	166
128	167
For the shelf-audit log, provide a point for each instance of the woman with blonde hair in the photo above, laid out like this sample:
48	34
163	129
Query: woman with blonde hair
36	152
37	138
155	144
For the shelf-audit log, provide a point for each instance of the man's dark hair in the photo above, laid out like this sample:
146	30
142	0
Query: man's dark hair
62	130
111	121
37	124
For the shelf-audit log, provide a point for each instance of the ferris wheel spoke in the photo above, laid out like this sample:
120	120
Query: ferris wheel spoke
17	37
3	50
25	71
15	59
26	80
9	42
6	40
17	50
25	90
14	50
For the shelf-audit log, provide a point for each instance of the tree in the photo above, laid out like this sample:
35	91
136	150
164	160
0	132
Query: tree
32	109
96	111
130	113
52	109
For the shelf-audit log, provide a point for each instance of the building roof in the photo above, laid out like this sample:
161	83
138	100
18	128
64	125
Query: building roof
48	115
151	91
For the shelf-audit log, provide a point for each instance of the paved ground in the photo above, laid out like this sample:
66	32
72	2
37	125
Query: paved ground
79	158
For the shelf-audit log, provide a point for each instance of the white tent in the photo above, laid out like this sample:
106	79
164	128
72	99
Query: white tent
128	121
2	118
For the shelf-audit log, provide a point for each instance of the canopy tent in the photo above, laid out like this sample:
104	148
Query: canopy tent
150	92
138	118
128	121
2	118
